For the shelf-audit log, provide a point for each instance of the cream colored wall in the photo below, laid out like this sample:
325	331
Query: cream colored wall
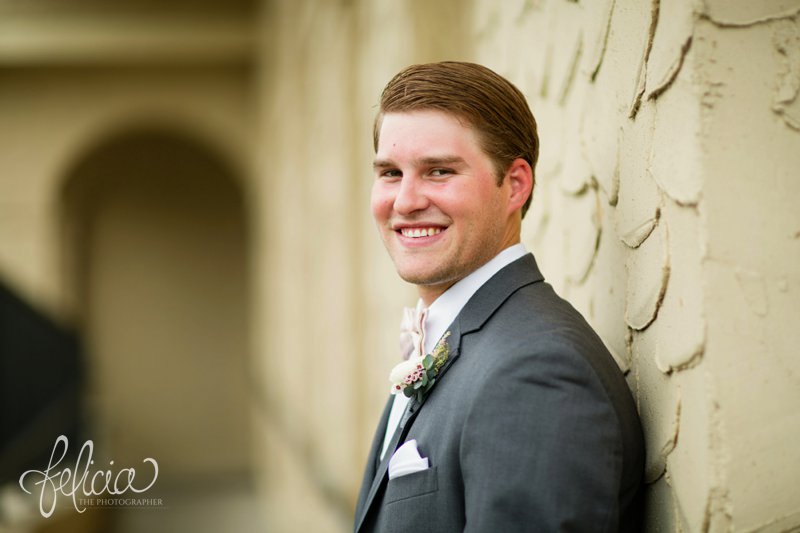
751	156
308	222
331	299
663	211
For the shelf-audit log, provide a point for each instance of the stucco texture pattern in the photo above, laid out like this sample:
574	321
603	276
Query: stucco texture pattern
663	211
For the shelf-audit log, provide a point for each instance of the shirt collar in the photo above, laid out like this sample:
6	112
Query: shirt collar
446	307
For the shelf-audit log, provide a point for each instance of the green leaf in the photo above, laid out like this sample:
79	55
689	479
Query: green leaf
408	391
417	384
428	361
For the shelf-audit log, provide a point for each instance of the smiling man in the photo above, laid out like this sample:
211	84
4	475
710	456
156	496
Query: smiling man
508	413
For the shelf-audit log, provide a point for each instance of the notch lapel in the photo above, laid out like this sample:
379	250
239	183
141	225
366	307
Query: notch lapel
372	458
380	473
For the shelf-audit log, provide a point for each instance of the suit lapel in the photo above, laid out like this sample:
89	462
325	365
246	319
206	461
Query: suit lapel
380	473
372	459
496	291
412	409
475	313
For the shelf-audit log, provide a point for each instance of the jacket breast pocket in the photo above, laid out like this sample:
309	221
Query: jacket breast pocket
412	485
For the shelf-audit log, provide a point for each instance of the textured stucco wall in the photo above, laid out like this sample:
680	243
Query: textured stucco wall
664	211
748	68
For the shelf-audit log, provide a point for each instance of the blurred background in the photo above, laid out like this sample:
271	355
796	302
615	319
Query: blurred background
189	270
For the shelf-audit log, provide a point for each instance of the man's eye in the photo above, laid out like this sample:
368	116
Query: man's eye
441	172
391	173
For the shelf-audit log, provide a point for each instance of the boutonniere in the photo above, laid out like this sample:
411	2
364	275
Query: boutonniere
416	376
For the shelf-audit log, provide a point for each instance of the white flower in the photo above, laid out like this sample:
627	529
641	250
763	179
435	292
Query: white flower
406	373
416	376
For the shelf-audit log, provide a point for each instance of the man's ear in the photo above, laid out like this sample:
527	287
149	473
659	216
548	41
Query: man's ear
520	176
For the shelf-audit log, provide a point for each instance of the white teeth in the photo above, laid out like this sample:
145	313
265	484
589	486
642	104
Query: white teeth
420	232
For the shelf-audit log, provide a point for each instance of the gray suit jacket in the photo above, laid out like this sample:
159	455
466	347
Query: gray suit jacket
530	426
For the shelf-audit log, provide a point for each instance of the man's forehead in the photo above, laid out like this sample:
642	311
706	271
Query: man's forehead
422	128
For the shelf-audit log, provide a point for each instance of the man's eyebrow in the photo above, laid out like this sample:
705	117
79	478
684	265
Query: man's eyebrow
382	163
422	162
440	160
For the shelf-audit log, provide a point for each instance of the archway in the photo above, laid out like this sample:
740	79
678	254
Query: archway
157	249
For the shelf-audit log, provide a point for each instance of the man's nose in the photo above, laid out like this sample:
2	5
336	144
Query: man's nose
411	195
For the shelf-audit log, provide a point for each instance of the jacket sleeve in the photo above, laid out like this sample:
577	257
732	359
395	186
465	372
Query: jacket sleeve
541	448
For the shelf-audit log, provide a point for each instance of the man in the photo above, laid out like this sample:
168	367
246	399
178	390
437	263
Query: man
519	420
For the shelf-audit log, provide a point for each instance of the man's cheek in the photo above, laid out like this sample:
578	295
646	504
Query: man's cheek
381	205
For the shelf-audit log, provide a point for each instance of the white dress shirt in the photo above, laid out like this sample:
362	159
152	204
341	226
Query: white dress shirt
441	314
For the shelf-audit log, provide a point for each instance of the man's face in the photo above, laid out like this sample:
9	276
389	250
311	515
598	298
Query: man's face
436	200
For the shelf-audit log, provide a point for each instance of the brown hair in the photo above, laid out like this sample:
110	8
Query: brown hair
484	99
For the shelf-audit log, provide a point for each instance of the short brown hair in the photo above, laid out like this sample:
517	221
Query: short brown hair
481	97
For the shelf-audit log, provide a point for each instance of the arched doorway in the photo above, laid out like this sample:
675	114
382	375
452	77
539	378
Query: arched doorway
157	249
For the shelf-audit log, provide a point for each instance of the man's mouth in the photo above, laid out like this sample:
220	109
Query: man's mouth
416	233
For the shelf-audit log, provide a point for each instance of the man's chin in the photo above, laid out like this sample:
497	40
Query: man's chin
415	277
422	277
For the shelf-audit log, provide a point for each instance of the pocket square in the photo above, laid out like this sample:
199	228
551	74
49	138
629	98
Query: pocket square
406	460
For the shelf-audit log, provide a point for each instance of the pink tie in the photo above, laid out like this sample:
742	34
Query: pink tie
412	331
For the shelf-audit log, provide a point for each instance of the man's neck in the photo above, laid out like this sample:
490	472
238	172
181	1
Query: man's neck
429	293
